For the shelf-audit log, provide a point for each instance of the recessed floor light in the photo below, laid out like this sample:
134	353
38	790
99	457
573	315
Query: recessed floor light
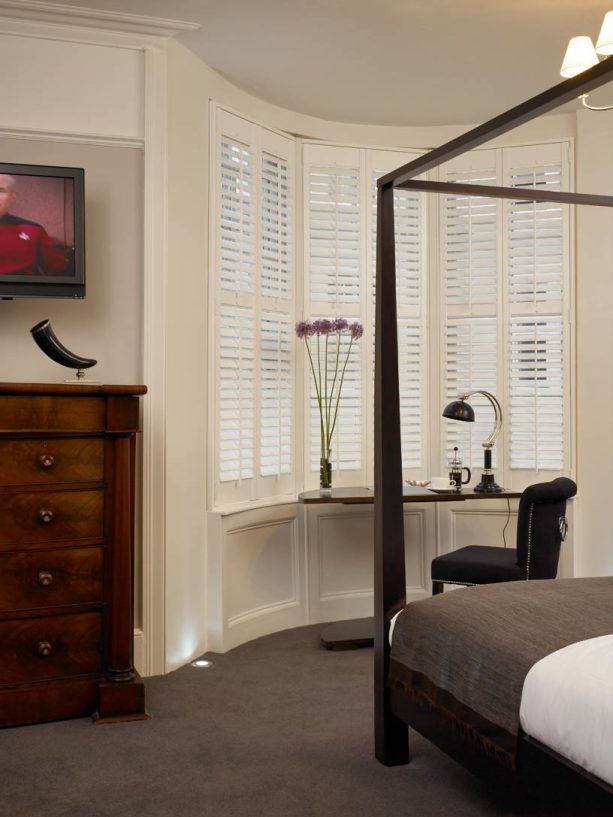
202	662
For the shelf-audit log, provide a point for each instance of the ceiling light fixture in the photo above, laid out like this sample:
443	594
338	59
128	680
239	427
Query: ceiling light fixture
581	55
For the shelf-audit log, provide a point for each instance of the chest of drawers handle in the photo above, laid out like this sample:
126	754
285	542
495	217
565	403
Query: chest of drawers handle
45	578
45	516
44	649
46	460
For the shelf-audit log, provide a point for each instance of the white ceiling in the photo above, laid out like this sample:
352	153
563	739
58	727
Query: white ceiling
401	62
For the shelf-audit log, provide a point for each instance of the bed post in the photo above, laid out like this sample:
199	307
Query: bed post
391	734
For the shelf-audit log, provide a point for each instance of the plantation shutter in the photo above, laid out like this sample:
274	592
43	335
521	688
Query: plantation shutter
506	289
409	224
470	269
334	276
254	296
537	256
340	263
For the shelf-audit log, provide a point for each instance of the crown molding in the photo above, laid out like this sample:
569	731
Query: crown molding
38	11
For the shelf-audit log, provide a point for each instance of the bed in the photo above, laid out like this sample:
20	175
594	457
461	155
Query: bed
505	660
524	699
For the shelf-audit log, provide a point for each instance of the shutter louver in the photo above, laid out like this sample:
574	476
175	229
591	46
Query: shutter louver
471	364
237	217
471	246
275	228
471	269
276	395
236	394
535	240
537	393
412	403
334	234
408	228
536	259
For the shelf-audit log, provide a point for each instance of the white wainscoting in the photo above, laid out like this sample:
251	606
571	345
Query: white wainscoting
289	565
340	542
255	574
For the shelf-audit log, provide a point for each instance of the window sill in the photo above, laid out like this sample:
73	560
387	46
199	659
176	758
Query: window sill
254	505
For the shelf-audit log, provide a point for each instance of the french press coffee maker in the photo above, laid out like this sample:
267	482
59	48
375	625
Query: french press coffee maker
456	469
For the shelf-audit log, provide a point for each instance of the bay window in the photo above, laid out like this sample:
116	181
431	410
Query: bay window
484	302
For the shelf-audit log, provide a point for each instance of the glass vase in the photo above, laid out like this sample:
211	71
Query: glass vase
325	477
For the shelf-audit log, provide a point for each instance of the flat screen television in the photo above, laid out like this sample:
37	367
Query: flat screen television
42	231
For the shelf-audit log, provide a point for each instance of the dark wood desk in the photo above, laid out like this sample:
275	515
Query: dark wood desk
359	632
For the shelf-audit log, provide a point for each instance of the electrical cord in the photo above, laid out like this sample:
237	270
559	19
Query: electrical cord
507	522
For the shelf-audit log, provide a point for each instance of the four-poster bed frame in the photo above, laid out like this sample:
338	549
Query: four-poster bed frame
393	713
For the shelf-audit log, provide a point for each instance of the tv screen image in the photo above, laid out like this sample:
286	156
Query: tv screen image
42	232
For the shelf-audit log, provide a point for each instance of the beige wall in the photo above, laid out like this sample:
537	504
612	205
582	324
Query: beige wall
107	323
594	529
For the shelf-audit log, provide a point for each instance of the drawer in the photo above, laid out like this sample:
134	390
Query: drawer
50	516
40	649
41	462
43	578
48	413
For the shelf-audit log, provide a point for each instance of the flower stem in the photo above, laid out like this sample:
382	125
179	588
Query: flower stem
327	413
340	387
338	350
319	396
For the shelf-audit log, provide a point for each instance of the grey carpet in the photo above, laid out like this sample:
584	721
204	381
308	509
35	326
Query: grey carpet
276	727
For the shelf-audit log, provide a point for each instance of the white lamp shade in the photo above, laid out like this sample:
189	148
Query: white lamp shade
605	38
580	55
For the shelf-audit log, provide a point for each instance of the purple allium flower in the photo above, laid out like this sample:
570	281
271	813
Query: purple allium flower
356	329
338	324
302	329
325	327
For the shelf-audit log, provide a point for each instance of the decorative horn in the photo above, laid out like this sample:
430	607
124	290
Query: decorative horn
46	340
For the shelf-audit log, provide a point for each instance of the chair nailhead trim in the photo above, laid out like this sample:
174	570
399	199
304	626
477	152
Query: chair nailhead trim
449	581
529	541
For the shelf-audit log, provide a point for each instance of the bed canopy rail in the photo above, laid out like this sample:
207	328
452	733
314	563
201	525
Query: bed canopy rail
391	733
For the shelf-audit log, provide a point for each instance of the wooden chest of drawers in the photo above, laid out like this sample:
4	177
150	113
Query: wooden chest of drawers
67	476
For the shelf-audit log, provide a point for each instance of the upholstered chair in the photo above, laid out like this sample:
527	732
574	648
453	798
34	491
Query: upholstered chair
541	528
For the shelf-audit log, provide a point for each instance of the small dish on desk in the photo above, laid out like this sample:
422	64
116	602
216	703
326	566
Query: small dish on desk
444	490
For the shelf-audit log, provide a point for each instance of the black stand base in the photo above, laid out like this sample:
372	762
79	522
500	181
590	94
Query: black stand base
349	635
488	485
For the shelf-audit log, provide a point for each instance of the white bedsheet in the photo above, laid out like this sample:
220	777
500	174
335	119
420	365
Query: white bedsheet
567	704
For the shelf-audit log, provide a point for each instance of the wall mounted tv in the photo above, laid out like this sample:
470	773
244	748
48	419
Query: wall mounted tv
42	232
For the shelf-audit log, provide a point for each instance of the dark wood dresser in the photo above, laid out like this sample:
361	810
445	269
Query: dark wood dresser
67	476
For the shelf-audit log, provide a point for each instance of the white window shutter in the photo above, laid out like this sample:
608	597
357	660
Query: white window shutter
537	259
255	312
236	394
506	302
276	392
470	265
237	217
275	228
334	229
471	363
409	229
537	391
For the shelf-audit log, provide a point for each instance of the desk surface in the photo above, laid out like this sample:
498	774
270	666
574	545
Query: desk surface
410	493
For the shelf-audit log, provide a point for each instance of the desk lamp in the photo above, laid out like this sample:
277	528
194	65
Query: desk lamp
461	410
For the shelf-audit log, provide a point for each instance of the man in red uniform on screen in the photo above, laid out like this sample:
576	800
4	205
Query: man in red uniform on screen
25	247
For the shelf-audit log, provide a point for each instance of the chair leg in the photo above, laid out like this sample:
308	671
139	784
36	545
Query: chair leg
437	587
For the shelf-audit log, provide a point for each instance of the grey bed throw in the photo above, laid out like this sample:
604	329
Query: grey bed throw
466	653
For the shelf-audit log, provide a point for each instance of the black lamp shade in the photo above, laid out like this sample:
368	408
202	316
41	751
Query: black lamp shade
459	410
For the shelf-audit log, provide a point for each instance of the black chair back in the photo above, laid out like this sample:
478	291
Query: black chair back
541	524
